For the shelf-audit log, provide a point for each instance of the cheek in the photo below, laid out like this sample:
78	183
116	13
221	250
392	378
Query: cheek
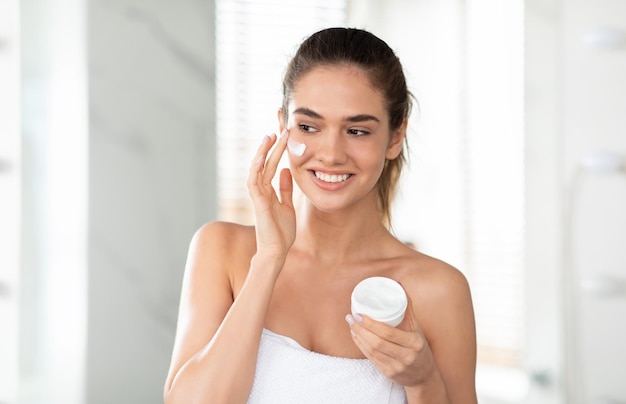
372	156
295	164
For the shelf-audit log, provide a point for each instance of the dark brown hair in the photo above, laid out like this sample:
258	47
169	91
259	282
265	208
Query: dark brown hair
356	47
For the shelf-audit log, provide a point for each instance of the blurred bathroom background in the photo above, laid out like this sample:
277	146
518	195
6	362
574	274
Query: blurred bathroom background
127	124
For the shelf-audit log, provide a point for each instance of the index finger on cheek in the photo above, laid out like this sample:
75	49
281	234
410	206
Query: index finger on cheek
276	154
283	138
261	153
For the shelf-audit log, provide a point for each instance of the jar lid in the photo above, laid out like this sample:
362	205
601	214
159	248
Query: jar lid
381	299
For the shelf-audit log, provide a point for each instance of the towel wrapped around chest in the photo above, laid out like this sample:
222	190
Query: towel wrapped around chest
287	373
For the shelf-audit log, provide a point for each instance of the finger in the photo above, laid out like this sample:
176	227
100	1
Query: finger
261	153
258	162
380	360
272	162
390	357
286	187
394	335
379	340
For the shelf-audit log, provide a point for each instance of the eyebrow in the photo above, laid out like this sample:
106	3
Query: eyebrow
355	118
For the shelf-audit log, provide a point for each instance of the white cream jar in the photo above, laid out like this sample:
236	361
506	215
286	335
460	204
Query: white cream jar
381	299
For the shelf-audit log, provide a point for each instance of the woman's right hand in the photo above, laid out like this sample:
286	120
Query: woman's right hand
275	218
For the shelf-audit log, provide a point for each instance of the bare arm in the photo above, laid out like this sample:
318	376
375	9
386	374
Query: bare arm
217	338
218	335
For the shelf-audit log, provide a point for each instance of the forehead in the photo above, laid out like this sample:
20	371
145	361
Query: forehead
345	89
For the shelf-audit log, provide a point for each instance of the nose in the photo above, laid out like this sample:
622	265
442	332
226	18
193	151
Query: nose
331	149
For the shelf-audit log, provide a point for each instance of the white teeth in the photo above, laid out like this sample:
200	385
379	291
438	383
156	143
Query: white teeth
331	178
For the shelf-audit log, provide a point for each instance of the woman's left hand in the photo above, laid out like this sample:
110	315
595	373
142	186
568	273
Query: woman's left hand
402	353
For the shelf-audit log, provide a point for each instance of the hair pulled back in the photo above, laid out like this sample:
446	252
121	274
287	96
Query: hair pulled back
360	48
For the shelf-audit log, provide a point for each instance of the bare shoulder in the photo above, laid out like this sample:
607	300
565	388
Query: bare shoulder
226	248
440	293
432	277
218	235
218	251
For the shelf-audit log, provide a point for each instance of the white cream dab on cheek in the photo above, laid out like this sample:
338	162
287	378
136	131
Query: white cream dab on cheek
296	148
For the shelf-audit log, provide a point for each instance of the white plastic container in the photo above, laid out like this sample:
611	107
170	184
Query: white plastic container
381	299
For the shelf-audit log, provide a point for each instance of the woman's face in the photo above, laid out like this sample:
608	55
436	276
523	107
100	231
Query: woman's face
344	124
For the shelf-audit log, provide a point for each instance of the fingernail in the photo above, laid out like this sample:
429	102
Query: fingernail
349	319
284	133
358	318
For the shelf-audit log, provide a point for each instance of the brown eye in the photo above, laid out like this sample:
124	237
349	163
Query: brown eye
306	128
358	132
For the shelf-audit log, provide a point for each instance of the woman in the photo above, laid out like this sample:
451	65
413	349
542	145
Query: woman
265	310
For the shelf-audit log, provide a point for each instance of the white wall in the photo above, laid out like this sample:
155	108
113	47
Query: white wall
594	119
9	200
544	223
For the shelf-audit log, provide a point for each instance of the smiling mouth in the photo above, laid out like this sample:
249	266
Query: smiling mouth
331	178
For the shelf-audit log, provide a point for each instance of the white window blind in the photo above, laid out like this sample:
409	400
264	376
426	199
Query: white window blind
255	41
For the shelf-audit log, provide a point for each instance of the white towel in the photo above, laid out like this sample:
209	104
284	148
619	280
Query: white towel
287	373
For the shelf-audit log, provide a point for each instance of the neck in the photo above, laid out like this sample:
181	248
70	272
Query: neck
339	236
